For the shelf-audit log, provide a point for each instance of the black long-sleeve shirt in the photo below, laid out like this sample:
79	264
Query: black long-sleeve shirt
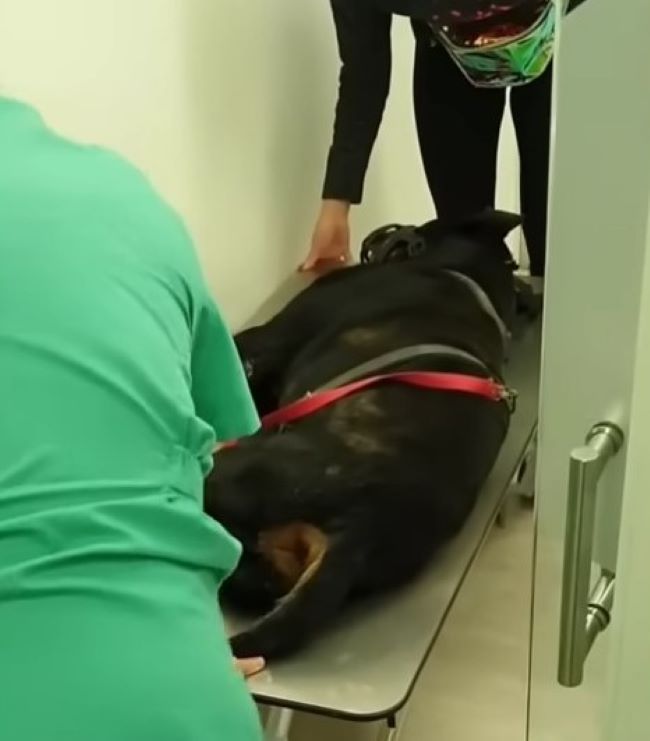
364	39
363	29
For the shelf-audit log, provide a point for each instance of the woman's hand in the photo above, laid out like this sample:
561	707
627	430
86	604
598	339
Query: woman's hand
250	667
330	244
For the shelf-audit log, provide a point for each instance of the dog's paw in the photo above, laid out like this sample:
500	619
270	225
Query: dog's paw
265	641
246	646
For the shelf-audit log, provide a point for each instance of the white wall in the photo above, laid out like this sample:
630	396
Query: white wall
228	106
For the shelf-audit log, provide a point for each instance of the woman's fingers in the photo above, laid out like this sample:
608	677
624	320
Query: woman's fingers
250	667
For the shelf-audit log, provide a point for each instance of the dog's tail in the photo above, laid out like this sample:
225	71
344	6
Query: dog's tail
322	570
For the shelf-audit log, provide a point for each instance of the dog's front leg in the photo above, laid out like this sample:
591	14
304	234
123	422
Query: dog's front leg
315	600
263	365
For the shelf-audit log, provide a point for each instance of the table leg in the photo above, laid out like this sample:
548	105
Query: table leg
389	732
278	724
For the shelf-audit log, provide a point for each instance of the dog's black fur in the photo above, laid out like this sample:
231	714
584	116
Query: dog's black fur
356	498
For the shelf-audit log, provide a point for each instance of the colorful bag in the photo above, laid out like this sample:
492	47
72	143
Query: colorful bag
500	44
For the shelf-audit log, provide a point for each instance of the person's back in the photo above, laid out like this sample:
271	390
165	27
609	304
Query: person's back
108	567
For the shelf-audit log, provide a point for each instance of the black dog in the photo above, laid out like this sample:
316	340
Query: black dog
356	498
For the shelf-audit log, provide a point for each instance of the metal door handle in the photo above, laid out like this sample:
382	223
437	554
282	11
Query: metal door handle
578	626
599	608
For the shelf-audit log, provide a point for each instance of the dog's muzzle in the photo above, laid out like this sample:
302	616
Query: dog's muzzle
392	243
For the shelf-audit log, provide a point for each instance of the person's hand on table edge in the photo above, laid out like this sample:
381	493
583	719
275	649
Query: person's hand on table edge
250	667
330	244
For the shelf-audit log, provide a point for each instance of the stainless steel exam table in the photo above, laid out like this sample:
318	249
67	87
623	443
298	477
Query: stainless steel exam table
365	668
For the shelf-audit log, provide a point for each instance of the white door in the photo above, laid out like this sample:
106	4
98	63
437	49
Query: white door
627	707
598	247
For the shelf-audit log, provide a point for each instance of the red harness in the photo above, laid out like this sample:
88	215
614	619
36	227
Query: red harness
486	388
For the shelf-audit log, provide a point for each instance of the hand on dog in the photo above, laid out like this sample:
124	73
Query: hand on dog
250	667
330	245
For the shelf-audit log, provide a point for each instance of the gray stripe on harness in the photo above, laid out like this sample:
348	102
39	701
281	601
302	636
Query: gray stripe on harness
484	300
404	354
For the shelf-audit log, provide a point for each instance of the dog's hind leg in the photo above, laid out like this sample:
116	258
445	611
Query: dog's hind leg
254	587
328	574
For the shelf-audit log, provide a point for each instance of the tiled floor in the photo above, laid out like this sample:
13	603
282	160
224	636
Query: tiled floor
474	687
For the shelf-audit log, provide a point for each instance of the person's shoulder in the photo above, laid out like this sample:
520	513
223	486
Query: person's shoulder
30	140
129	194
18	115
22	129
109	190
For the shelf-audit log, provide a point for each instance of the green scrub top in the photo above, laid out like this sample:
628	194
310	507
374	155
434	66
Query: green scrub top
117	378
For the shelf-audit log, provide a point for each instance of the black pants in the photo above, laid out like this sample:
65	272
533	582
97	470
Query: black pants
458	128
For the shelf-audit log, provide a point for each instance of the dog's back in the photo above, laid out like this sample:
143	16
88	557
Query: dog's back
356	497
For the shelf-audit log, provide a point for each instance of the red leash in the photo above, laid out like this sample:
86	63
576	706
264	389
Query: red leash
456	382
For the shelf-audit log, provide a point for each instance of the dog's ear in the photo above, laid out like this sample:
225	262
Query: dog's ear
496	224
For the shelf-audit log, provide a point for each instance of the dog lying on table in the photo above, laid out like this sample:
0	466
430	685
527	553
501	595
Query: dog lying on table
383	389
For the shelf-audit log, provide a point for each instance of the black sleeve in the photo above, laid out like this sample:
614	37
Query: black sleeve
364	46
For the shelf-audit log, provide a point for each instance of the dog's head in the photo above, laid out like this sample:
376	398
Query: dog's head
462	244
474	246
450	242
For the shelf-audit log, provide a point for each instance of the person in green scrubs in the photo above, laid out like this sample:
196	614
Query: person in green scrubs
118	378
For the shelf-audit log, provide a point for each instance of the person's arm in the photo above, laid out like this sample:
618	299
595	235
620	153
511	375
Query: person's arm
365	50
220	391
